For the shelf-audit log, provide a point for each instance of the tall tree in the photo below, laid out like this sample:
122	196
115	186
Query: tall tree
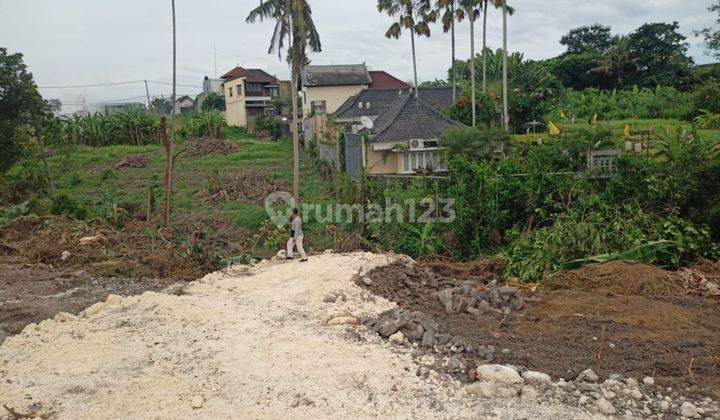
617	59
472	9
20	102
449	13
169	161
413	15
712	35
293	21
660	54
596	38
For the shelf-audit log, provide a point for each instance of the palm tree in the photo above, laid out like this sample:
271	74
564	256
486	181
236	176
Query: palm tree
484	46
470	8
450	13
616	59
293	20
413	15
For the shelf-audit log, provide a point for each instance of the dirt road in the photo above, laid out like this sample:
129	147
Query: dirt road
246	343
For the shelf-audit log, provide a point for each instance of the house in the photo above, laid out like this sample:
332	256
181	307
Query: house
209	86
373	102
325	88
184	104
384	80
404	138
249	94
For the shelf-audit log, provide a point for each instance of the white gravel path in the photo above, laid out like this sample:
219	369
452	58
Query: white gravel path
243	343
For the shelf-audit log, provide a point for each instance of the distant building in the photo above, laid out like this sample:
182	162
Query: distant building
209	86
384	80
325	88
184	105
249	94
116	107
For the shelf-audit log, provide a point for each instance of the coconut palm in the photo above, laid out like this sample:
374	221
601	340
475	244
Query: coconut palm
507	10
616	59
450	12
471	9
413	15
293	20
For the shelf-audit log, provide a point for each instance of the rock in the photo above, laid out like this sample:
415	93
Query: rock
687	409
65	255
664	405
367	281
481	389
585	387
649	381
455	365
429	339
605	407
113	299
536	378
505	351
499	374
636	394
608	395
631	382
583	400
445	297
329	298
397	338
95	309
65	317
615	377
529	393
197	402
587	376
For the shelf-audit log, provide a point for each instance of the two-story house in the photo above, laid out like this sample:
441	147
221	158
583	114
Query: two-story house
248	95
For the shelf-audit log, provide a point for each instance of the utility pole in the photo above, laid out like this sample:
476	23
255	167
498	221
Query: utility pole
147	92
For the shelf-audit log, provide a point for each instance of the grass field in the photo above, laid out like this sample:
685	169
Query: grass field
89	176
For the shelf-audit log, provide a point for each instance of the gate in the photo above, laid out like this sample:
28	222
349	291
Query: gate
353	155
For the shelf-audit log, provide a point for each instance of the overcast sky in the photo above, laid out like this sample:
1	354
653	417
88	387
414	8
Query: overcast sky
76	42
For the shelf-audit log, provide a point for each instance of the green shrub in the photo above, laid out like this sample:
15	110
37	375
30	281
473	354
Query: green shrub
62	204
268	126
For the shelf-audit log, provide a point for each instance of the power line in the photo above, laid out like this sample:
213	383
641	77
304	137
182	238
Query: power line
116	84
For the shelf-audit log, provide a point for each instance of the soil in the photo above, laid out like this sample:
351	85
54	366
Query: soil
206	146
132	161
248	186
34	292
652	327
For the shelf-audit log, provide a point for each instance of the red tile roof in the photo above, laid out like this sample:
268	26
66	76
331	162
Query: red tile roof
384	80
252	75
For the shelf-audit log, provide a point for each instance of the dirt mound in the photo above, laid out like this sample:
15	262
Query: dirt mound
209	146
618	277
649	322
481	270
132	161
249	186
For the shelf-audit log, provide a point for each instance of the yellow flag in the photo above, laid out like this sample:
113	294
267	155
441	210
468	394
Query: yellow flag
594	119
562	114
553	129
626	132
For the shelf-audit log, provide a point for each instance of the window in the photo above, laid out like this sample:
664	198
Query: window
270	112
239	89
230	90
367	105
318	107
414	160
254	87
273	91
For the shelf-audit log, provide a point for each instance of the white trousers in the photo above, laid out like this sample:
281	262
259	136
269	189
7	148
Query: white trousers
299	244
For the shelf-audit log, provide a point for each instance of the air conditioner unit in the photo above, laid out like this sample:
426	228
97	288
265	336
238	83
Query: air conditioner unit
416	144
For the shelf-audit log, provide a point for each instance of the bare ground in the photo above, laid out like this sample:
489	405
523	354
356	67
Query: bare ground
248	342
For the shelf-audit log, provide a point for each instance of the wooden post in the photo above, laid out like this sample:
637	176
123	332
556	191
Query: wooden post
167	186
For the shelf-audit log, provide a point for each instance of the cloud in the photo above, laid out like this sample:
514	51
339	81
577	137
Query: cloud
90	41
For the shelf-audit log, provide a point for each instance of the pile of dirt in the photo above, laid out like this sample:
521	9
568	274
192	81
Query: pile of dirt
207	146
132	161
249	186
620	278
639	319
480	270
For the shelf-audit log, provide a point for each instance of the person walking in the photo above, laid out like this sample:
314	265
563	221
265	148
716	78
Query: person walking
296	237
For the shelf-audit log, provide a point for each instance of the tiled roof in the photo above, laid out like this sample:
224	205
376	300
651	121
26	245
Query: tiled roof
381	99
252	75
349	74
378	100
410	118
384	80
